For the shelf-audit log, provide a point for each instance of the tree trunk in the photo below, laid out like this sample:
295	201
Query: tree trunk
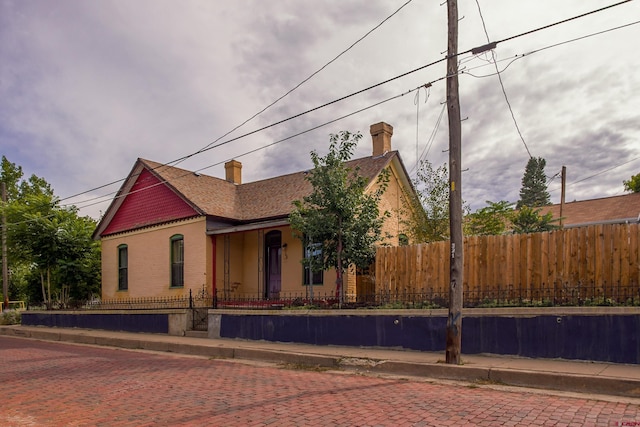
44	292
339	275
49	288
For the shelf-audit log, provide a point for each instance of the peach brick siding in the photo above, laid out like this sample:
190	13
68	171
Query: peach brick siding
149	260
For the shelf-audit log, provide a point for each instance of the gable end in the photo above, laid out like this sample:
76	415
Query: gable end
148	202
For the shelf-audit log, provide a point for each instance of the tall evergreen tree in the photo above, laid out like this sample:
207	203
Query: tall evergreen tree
533	192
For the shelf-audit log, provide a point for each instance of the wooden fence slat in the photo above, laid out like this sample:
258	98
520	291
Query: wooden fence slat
625	267
617	246
634	254
590	253
609	255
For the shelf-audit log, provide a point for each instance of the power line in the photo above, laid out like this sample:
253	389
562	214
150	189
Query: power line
431	139
504	92
187	173
521	56
472	50
298	85
601	172
564	21
278	122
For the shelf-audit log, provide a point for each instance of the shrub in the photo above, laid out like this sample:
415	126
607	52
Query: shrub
10	317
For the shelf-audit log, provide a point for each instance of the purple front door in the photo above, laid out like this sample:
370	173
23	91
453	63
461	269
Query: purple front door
273	264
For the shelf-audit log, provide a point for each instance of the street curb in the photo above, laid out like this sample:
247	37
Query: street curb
431	370
511	377
286	357
567	382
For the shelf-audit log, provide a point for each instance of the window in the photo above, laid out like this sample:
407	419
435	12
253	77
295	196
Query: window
123	268
313	251
177	260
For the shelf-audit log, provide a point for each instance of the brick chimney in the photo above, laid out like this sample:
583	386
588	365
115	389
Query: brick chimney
233	172
381	134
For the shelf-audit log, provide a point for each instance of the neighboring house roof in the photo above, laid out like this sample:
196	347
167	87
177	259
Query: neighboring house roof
615	209
181	194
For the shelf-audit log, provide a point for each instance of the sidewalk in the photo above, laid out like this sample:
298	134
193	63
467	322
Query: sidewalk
564	375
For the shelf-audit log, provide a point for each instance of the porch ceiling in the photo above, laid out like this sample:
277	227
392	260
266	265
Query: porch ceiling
249	227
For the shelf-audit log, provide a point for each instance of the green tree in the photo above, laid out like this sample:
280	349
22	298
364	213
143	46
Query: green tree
427	216
633	185
50	246
493	219
338	215
533	192
529	220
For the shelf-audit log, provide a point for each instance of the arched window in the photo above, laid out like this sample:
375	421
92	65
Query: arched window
177	260
123	268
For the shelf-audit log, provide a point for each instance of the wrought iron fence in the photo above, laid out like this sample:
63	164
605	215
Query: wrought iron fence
199	300
510	296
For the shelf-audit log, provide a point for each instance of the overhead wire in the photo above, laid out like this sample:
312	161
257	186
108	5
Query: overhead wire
432	138
523	55
504	91
357	93
298	85
599	173
188	173
416	102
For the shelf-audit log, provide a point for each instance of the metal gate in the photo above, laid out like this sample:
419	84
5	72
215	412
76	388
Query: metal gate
199	319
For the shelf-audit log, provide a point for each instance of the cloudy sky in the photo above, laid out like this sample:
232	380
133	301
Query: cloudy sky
86	87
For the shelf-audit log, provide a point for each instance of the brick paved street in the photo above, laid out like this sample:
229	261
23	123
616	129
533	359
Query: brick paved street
55	384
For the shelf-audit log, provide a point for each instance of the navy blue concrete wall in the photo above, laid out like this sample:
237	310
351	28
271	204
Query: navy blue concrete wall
135	322
608	338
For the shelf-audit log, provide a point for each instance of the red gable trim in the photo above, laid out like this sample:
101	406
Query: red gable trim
149	201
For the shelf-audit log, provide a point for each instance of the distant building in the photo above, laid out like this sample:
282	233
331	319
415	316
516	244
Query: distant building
608	210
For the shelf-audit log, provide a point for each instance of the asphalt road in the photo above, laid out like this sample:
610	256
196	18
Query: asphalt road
55	384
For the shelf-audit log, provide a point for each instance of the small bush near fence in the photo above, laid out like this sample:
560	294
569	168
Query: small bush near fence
10	317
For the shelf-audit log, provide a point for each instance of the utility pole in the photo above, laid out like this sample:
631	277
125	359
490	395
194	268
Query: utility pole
454	321
5	267
562	195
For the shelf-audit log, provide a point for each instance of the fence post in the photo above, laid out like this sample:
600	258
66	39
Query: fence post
190	299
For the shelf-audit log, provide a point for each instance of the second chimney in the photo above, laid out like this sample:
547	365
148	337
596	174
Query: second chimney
233	172
381	134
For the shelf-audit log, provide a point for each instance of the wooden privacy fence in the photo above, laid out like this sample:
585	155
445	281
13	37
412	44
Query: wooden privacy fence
595	261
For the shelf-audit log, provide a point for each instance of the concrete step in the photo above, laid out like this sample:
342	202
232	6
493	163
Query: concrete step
196	334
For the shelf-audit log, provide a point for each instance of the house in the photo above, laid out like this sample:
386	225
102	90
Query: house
608	210
170	231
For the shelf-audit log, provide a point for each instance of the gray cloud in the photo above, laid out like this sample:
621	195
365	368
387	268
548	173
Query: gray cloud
89	87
